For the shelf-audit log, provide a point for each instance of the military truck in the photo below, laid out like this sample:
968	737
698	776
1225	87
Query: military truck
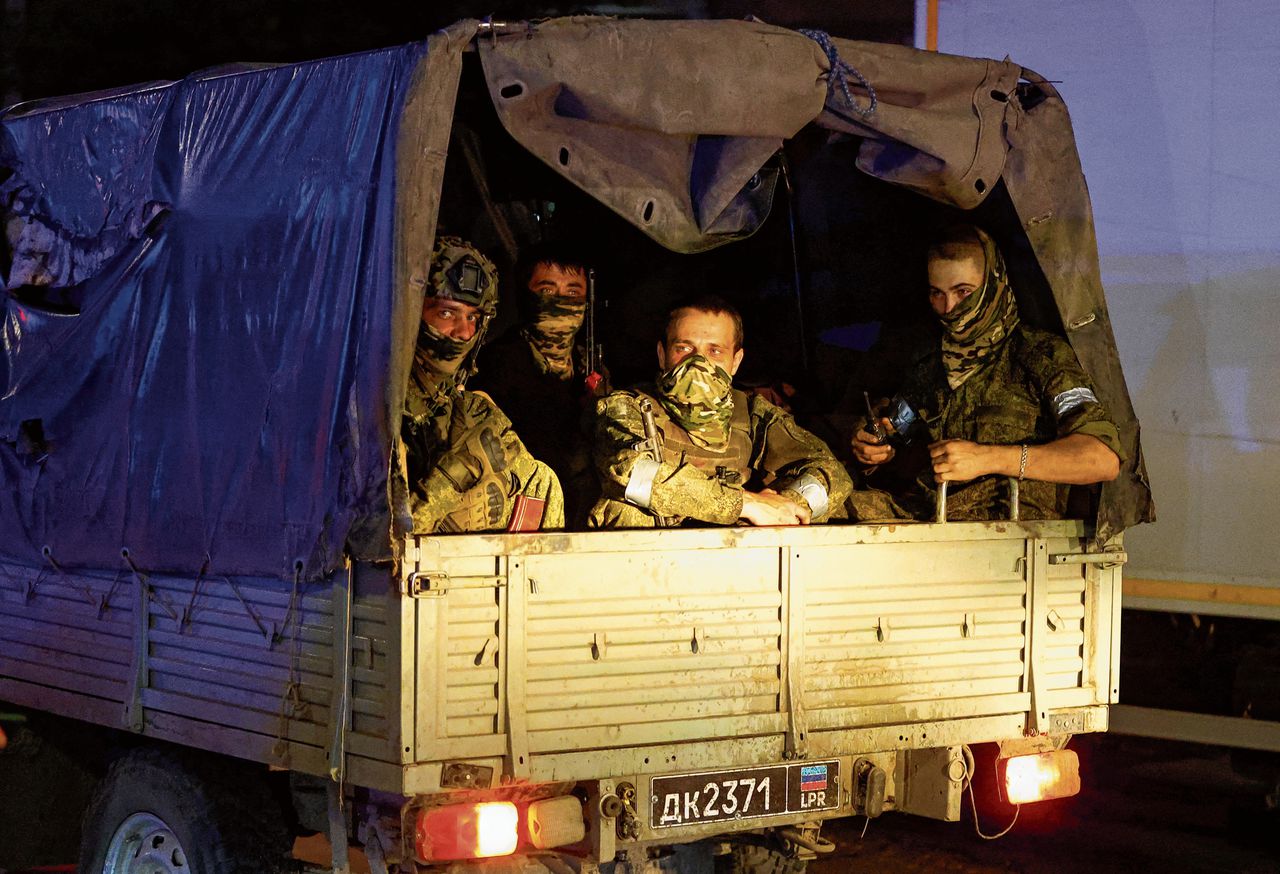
213	289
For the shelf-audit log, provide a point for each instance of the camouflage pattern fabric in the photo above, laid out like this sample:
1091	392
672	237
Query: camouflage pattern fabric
459	272
980	324
698	395
556	321
781	451
1016	398
467	465
438	353
553	417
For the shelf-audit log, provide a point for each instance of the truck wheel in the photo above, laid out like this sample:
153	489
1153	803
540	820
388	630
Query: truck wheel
755	859
159	812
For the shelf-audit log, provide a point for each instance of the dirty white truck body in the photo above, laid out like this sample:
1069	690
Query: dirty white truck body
623	658
687	680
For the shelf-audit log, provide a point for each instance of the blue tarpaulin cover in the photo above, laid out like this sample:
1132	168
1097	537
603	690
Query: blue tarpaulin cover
196	329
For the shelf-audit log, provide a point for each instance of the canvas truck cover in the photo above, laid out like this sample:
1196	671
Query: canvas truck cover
199	320
212	285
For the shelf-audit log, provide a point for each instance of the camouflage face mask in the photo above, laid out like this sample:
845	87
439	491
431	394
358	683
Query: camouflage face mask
698	395
978	326
550	335
439	354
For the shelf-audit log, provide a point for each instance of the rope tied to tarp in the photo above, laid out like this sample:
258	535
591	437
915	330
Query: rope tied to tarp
841	70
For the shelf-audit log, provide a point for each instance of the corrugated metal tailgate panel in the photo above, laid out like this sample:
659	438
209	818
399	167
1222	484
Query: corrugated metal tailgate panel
471	658
461	638
900	633
631	648
1077	630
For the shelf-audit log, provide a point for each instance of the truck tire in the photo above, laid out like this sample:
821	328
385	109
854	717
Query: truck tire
163	812
755	859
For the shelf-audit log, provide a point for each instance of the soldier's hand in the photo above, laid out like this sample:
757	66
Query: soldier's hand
870	450
959	460
767	507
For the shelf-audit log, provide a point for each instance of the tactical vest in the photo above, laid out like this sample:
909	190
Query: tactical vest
732	465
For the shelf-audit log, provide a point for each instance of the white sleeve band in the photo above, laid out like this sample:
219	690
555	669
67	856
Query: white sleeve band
813	492
1071	399
639	490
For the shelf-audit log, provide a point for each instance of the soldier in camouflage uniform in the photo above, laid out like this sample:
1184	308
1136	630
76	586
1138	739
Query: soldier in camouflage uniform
994	399
468	471
724	457
540	375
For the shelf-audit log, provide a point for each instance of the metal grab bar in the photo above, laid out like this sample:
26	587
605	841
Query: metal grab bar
1015	498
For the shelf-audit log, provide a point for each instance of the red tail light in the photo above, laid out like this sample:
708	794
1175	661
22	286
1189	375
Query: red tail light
1055	774
467	831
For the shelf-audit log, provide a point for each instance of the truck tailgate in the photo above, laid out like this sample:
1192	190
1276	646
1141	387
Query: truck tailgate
550	651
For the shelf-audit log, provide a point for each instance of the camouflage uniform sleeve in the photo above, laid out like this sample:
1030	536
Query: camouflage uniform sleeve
531	477
1068	395
785	451
678	489
450	484
434	499
436	494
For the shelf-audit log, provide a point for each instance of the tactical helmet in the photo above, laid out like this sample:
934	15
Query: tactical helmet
459	271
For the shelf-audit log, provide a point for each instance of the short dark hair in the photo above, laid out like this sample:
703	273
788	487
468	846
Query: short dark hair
713	304
556	254
957	242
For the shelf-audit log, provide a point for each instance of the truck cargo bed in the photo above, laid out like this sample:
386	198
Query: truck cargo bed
570	657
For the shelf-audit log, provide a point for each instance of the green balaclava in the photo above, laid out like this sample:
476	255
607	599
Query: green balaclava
459	272
698	395
550	333
979	325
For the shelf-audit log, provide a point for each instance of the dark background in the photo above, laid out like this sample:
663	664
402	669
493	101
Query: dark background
57	47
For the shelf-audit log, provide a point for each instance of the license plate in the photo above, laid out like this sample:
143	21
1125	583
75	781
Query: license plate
747	793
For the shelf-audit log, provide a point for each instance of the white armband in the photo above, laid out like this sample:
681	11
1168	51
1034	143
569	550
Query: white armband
1071	399
813	491
639	490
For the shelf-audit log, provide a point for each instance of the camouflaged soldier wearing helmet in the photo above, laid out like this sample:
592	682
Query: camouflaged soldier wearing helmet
459	272
466	466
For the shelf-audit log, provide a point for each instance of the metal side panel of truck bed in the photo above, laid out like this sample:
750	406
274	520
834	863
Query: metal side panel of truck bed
628	655
613	658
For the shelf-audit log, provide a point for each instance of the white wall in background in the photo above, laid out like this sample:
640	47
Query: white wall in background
1176	108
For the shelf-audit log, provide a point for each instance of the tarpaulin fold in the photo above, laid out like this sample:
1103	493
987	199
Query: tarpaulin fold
670	124
666	123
